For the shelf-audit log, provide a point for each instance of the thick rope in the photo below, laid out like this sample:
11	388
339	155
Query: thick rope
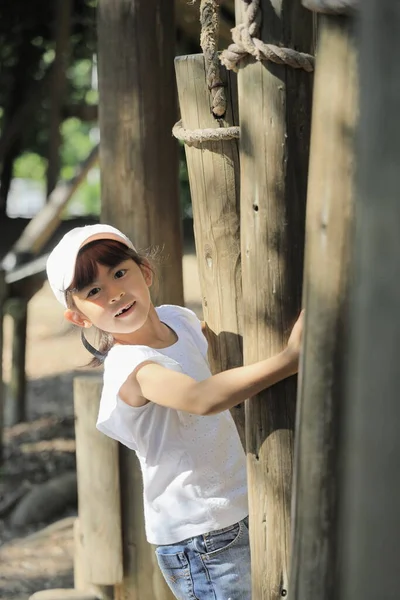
245	42
209	19
199	136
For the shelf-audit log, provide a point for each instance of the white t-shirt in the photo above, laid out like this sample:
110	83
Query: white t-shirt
194	467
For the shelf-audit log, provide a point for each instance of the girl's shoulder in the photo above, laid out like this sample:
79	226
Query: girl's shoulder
179	313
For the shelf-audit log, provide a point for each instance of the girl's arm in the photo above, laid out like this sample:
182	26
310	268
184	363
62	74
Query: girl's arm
217	393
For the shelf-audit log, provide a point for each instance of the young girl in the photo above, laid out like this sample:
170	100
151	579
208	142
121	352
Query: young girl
160	399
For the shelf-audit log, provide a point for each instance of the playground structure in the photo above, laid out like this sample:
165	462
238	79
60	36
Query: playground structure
255	244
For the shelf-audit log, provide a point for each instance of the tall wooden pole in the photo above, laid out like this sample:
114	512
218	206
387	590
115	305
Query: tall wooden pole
326	278
370	476
58	88
138	155
214	174
139	181
275	112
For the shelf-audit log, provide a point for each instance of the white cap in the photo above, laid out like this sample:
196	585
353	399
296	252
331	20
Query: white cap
60	265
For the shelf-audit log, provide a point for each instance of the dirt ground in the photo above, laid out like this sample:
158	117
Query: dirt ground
39	556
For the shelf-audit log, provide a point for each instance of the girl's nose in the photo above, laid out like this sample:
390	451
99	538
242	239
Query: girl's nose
116	295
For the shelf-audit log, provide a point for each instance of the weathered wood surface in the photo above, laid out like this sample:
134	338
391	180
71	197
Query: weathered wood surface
341	7
369	476
17	308
58	88
139	187
81	583
275	112
98	487
137	110
325	298
214	184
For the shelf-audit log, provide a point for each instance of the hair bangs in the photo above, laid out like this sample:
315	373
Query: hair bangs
108	253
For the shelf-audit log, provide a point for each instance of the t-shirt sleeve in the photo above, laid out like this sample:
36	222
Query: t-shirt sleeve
191	322
116	418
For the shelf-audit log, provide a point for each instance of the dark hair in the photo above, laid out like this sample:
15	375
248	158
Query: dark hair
108	253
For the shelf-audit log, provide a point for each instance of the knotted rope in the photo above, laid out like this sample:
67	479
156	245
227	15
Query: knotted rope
245	42
209	19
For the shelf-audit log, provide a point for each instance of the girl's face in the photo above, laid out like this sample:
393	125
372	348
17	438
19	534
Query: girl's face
116	301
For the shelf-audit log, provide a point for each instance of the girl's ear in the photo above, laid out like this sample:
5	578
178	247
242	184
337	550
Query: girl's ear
76	318
147	273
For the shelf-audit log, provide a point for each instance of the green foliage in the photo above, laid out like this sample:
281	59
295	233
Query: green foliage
30	166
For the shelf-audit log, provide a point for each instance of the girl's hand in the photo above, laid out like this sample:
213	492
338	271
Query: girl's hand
294	343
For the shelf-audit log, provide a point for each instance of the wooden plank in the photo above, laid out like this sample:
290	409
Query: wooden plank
275	112
139	189
369	474
326	279
98	487
341	7
214	184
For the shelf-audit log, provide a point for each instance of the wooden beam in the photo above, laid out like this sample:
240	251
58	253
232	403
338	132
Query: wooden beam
139	186
326	279
275	113
214	184
44	224
369	475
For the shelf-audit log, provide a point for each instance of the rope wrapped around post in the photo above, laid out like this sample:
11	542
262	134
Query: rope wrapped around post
245	42
199	136
339	7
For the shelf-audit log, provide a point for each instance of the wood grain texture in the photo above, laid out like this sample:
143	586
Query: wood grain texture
137	110
99	503
139	181
275	112
326	279
214	184
369	475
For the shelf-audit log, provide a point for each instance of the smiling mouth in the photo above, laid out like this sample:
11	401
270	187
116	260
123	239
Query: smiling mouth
125	309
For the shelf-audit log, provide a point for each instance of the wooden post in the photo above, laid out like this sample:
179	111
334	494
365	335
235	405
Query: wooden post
98	488
62	31
214	183
18	310
3	294
139	157
369	475
275	112
326	277
139	171
81	583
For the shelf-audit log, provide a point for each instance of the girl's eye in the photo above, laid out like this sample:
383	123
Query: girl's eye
93	292
120	273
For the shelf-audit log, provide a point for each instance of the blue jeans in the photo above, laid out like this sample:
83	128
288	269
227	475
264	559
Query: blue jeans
213	566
